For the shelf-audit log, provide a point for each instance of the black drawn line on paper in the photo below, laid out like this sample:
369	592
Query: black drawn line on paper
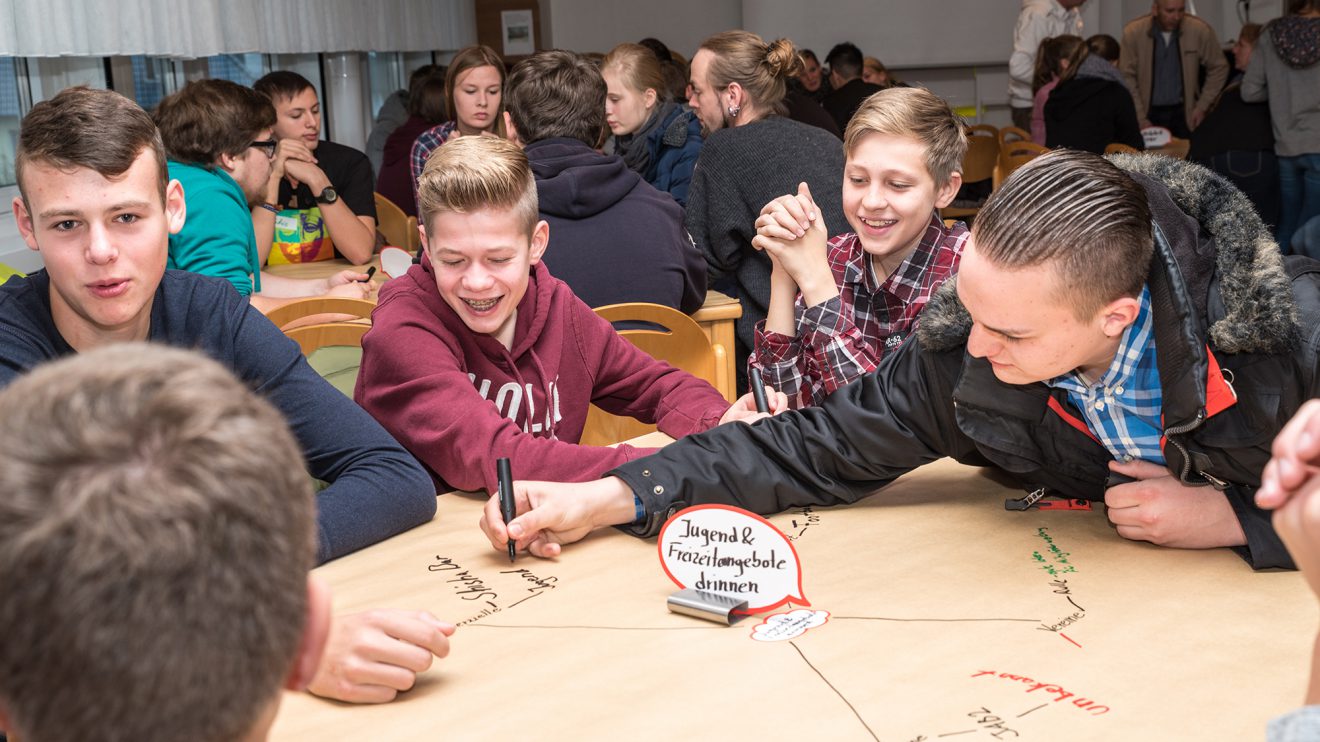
529	597
836	691
951	734
1038	708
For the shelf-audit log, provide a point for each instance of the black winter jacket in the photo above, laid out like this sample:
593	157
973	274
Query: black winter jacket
1218	286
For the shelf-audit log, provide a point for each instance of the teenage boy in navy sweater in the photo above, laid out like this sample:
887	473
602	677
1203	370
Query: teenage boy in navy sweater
97	203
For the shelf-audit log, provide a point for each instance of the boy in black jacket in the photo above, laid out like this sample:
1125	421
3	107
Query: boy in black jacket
1041	360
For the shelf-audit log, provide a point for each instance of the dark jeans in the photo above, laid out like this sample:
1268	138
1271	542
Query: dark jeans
1299	189
1173	118
1021	118
1256	174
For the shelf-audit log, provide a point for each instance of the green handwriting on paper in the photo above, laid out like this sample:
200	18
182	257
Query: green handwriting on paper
1054	560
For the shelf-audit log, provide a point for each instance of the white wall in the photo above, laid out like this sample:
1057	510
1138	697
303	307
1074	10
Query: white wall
597	25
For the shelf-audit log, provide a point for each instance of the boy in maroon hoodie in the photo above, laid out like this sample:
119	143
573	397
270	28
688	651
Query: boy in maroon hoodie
478	353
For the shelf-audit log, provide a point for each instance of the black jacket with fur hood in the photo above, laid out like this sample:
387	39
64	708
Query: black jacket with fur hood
1238	337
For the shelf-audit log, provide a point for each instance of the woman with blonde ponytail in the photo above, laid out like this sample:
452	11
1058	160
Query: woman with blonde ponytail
752	154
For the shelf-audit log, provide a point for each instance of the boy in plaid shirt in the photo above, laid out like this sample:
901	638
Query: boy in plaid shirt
837	307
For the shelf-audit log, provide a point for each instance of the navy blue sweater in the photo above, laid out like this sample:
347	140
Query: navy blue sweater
376	489
613	237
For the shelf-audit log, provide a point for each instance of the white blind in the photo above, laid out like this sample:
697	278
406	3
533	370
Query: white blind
201	28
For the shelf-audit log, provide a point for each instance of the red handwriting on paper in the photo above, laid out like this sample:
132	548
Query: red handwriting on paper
1049	689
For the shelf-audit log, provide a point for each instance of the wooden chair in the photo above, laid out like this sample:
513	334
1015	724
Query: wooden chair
978	165
333	350
1014	156
309	311
984	130
1010	134
1176	147
678	340
1119	147
399	229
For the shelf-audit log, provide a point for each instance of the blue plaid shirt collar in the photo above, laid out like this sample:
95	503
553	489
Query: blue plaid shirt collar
1123	408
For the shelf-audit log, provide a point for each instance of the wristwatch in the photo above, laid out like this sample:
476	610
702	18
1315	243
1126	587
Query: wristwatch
327	196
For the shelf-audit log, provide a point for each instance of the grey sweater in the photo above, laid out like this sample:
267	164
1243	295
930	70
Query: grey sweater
741	170
1291	86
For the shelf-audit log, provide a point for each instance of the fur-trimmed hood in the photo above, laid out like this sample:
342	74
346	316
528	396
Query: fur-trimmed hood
1260	315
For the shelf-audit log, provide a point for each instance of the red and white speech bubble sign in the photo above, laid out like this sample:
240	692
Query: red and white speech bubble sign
727	550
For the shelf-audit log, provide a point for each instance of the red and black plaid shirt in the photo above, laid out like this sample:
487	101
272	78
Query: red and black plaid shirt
845	337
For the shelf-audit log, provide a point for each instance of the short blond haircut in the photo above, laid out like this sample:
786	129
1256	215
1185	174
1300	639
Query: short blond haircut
916	113
469	174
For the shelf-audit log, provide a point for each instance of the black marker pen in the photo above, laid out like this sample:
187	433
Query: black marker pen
370	272
758	390
508	508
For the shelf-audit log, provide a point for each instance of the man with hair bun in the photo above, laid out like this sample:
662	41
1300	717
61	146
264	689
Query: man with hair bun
751	155
1150	371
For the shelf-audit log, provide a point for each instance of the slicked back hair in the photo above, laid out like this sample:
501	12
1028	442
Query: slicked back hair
156	531
1078	212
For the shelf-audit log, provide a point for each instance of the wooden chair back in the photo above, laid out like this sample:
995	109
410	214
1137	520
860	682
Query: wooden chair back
333	350
1010	134
678	340
1177	148
1014	156
978	164
335	309
1119	147
399	229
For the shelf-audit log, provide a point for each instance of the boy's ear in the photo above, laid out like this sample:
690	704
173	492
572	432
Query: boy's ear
316	631
1118	314
511	131
176	206
421	232
540	240
945	193
23	218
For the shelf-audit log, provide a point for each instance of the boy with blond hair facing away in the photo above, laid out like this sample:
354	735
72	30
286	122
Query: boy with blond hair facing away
478	353
837	307
155	548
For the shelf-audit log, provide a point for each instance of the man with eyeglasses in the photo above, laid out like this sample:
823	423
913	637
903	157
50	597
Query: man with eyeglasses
218	136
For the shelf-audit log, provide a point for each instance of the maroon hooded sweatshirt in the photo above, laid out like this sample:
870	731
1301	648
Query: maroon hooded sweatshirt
459	400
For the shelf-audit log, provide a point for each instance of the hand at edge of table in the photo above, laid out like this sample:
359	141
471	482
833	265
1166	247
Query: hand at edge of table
371	656
551	514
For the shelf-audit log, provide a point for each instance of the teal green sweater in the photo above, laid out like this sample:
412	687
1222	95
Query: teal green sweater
217	238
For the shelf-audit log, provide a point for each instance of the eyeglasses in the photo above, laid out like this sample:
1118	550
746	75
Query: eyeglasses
267	146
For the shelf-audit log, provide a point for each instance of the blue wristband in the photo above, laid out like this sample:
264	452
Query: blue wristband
639	510
272	208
